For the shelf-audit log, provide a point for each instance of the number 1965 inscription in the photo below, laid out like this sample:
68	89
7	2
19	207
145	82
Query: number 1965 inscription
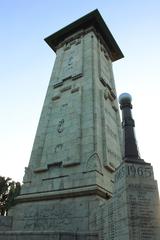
133	171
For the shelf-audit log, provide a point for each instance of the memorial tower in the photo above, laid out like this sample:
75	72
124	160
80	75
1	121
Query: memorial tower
77	146
81	182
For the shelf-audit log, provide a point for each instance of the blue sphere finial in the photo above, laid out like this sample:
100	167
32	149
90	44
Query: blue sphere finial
125	98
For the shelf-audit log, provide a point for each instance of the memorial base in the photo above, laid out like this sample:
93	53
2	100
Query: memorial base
134	211
30	235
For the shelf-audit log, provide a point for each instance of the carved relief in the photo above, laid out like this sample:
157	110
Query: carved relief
51	151
58	148
67	64
75	89
134	170
71	62
109	93
56	216
94	163
68	43
66	88
63	137
55	97
60	126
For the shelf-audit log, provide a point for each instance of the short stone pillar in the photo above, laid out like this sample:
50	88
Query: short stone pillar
135	203
134	212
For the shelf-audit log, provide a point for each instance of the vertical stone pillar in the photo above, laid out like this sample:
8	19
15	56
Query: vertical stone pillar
134	209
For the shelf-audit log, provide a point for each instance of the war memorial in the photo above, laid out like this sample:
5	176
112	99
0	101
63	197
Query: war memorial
85	179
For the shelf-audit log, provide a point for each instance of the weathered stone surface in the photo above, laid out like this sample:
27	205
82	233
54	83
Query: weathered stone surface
77	144
19	235
72	214
5	223
134	210
79	129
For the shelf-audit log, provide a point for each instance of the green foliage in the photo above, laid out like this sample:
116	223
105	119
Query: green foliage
9	190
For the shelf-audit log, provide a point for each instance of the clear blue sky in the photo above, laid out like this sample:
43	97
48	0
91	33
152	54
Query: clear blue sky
26	63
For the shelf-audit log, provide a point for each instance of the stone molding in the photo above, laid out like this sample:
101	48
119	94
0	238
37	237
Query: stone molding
82	191
47	235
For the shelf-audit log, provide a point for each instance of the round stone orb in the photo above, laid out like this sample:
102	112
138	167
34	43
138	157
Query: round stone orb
125	98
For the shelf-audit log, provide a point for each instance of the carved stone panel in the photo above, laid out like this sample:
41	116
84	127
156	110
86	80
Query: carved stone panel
67	215
47	217
93	163
111	138
62	144
105	68
71	61
135	203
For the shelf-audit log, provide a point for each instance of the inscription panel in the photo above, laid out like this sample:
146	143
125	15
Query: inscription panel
134	170
62	144
71	62
47	218
134	208
59	215
143	208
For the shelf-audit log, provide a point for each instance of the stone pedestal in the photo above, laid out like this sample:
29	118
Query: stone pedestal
134	211
48	235
74	215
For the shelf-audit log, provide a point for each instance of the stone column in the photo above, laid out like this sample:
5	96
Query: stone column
134	209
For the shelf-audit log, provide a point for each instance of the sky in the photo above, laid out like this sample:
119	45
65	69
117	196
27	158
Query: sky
26	62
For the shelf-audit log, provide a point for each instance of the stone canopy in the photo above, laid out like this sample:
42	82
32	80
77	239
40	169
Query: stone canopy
95	20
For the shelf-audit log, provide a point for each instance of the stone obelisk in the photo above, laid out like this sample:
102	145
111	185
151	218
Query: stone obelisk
78	141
